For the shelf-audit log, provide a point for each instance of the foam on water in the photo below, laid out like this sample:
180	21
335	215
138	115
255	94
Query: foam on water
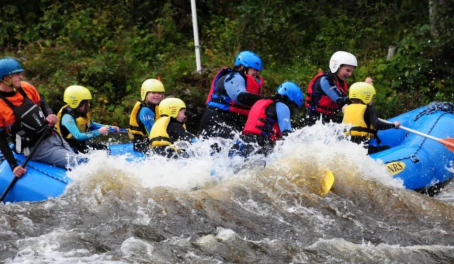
124	210
317	147
50	248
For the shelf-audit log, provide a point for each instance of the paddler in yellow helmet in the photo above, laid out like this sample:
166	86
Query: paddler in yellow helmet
170	129
363	117
145	113
74	123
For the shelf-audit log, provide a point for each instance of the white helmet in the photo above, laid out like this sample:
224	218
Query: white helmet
341	58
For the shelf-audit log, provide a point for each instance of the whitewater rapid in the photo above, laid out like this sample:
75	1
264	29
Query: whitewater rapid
118	209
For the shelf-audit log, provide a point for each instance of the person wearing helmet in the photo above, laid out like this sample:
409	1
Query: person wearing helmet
170	128
145	113
233	92
24	117
74	123
363	118
327	91
269	120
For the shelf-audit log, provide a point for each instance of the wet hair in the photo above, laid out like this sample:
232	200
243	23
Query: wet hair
238	69
356	101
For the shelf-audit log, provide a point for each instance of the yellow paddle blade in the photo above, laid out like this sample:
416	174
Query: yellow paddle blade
327	183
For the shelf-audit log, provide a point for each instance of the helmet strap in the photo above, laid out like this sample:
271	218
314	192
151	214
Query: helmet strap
10	84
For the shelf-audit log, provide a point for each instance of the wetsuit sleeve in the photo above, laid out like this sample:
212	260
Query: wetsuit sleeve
332	91
176	132
46	108
235	86
283	117
147	117
371	117
70	124
6	151
95	126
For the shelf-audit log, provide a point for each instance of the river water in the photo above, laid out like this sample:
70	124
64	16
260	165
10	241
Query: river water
197	210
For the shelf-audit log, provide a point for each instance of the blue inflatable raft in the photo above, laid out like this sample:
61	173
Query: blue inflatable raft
43	181
423	164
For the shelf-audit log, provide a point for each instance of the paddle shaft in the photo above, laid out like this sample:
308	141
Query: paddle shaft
413	131
24	164
419	133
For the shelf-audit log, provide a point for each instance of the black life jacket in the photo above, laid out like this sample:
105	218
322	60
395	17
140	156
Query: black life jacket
30	120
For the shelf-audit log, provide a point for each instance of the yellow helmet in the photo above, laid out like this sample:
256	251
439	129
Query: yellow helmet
362	91
75	94
151	85
171	107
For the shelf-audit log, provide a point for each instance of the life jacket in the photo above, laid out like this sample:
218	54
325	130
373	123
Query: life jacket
136	127
354	115
218	98
259	124
82	122
317	100
158	135
29	124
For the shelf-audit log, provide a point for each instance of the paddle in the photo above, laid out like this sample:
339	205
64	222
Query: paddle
327	183
41	138
447	142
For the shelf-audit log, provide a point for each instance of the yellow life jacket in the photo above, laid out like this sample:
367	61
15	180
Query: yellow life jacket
354	115
82	122
136	127
158	135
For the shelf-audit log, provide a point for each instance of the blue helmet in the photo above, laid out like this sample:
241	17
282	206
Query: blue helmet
292	91
9	66
249	60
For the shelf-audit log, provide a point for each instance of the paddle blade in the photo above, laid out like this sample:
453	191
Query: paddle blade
327	183
448	142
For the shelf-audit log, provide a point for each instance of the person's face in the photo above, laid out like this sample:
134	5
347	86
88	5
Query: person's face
372	101
182	115
84	107
253	72
345	72
14	79
154	98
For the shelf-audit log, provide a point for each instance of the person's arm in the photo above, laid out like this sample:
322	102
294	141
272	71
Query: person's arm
331	90
283	118
235	86
372	115
70	124
177	132
147	117
6	150
48	113
45	108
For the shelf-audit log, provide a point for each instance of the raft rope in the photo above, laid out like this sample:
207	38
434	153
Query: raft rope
437	106
45	173
413	157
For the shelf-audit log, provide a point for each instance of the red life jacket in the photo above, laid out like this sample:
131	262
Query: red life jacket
252	86
325	105
259	124
218	75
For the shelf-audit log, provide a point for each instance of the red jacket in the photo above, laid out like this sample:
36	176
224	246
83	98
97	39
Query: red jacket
324	105
257	122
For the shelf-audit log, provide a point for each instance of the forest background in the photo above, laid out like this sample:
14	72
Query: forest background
111	47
